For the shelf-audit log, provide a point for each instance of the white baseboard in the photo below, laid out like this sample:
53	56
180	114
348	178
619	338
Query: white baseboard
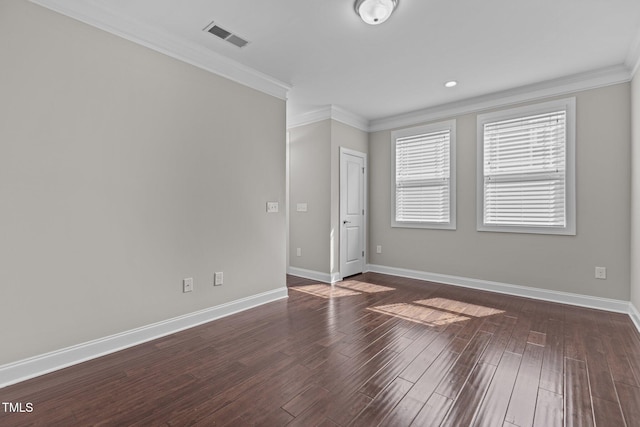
314	275
617	306
22	370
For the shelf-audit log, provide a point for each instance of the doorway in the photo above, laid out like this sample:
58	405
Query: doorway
353	179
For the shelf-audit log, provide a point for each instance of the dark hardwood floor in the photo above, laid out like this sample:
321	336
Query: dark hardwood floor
373	350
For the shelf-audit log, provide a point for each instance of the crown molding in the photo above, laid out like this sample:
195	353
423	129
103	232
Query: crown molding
557	87
308	117
328	112
96	15
349	118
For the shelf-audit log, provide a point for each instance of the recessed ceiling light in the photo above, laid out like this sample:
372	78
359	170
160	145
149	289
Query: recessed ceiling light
450	83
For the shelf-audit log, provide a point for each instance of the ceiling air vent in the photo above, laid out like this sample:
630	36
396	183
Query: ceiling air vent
225	35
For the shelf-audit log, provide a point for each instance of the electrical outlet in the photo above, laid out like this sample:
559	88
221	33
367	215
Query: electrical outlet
298	252
272	207
379	249
601	273
218	278
187	285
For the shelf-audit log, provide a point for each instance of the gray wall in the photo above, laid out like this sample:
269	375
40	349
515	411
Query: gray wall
635	195
122	171
561	263
309	182
344	136
314	178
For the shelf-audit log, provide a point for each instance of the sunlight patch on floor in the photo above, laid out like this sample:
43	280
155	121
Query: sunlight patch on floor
342	289
459	307
419	314
368	288
325	291
435	311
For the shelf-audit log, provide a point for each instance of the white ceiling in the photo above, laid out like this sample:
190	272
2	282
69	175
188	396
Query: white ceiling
328	56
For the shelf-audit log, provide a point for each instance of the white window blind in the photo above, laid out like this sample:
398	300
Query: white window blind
525	171
423	178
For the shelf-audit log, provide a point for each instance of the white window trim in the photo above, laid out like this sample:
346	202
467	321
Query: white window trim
449	125
567	104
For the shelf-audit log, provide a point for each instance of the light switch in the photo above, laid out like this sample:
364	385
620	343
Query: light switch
301	207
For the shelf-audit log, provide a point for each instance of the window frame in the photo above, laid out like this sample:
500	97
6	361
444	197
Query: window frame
448	125
569	106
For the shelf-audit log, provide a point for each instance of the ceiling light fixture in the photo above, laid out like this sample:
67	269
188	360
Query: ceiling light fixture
375	12
451	83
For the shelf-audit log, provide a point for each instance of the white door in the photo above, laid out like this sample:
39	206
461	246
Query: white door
352	212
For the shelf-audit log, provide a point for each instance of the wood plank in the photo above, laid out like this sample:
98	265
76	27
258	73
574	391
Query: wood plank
210	396
468	401
600	378
618	360
549	409
520	334
344	408
574	347
429	381
305	399
327	423
499	340
353	379
422	362
493	409
629	402
312	415
433	412
522	406
607	413
379	407
452	384
385	376
537	338
403	413
275	417
630	341
578	411
552	374
277	391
